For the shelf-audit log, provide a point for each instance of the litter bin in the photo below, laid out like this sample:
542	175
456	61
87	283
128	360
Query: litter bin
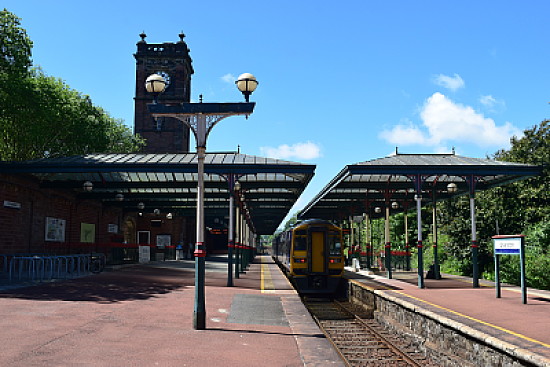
179	252
117	254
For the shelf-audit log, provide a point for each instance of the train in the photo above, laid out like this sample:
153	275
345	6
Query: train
311	254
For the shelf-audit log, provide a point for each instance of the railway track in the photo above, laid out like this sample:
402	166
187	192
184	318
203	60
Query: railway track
359	339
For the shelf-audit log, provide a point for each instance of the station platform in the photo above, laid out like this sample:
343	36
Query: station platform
142	315
505	323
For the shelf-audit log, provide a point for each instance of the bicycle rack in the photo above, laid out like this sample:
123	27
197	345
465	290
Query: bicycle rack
38	267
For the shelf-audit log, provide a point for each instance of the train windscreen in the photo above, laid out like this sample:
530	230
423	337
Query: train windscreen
334	245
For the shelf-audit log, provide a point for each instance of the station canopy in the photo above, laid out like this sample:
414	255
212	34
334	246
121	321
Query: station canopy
168	182
361	187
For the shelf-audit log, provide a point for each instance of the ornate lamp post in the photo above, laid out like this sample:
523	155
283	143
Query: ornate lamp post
201	118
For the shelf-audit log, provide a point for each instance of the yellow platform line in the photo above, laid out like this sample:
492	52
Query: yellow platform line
266	282
474	319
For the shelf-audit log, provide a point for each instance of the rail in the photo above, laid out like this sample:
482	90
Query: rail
361	341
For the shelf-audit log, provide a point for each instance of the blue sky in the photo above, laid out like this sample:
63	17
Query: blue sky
340	82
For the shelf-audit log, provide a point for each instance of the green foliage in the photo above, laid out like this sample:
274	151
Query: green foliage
40	116
532	196
15	45
291	222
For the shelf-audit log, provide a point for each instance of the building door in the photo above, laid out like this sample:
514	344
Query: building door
144	237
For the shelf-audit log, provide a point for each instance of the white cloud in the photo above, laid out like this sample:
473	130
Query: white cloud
488	101
450	82
492	103
229	78
301	151
444	121
405	134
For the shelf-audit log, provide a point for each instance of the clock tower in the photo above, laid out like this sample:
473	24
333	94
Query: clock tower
172	61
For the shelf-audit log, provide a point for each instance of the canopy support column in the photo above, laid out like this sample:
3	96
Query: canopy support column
237	241
368	239
407	245
472	180
387	241
437	273
231	179
418	197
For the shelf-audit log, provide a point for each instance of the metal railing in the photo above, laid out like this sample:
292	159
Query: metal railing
40	267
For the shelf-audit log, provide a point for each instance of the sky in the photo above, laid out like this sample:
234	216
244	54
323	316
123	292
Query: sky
339	82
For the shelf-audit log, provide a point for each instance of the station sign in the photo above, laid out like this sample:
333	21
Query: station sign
507	245
510	245
12	204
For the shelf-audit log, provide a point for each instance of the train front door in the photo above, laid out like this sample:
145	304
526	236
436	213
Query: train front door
317	251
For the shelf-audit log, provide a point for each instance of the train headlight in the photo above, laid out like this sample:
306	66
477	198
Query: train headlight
335	260
300	260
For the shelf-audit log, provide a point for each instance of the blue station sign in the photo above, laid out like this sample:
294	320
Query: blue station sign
510	245
507	245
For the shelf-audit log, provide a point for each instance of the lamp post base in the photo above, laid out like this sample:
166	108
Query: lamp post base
199	320
199	315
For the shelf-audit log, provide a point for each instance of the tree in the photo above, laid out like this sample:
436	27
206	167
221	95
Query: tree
41	116
291	222
533	195
15	45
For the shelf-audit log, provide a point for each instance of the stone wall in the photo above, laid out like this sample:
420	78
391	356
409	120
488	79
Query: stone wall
446	341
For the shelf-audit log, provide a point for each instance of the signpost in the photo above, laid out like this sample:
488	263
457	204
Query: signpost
510	245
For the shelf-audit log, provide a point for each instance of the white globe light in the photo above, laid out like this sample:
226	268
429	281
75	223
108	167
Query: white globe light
88	186
452	188
247	83
155	83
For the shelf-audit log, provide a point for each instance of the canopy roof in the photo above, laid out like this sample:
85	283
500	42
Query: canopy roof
360	187
168	182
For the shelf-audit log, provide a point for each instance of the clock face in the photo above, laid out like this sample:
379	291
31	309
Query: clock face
166	77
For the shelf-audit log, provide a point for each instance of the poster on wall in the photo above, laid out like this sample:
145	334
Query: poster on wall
112	228
87	232
55	229
163	240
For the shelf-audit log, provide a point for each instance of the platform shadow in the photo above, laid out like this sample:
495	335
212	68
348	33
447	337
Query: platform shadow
136	283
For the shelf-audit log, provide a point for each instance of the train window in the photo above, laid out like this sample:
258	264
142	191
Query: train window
334	245
300	243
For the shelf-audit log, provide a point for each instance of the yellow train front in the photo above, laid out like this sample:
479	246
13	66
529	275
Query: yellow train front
312	255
